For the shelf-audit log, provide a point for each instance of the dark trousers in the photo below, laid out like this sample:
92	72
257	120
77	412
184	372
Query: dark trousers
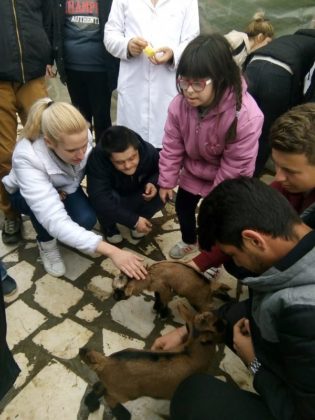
9	370
273	89
202	396
185	205
77	206
135	203
90	92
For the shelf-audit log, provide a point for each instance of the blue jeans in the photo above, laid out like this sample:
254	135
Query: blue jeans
76	204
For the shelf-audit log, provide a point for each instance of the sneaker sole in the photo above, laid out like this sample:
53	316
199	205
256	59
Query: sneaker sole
10	293
114	242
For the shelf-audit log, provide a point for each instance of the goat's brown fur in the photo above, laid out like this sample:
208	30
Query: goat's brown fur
169	278
133	373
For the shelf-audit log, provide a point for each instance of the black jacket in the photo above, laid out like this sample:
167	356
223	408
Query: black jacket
296	50
104	180
112	65
25	33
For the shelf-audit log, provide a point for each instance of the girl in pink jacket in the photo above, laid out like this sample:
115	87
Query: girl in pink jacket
211	132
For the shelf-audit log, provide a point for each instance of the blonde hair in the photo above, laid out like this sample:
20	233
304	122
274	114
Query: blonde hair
52	120
259	25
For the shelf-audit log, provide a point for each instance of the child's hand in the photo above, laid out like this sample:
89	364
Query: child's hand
143	225
150	191
136	46
166	193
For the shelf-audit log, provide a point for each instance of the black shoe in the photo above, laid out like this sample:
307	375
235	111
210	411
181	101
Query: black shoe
11	231
8	286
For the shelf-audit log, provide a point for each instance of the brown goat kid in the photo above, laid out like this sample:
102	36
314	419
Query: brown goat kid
132	373
169	278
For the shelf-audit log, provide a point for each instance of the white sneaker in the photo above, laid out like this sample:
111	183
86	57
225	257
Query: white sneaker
181	249
51	258
114	239
137	235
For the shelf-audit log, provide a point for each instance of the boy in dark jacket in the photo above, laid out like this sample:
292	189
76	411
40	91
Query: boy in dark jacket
122	174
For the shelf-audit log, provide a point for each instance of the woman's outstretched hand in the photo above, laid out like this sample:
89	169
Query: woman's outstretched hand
126	261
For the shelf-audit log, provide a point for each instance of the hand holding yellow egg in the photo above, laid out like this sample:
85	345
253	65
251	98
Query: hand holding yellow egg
149	51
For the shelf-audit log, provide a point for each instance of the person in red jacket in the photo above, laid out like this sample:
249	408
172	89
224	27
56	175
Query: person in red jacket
293	151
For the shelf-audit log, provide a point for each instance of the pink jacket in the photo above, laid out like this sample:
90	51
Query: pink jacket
194	154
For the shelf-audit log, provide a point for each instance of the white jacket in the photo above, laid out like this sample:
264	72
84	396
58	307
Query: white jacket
144	89
38	177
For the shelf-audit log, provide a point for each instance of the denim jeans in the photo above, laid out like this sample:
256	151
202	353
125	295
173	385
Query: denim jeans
3	271
76	204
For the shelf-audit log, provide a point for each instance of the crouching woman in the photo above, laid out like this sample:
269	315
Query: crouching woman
48	165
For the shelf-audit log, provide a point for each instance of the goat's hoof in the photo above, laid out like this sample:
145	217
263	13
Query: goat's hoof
164	313
92	402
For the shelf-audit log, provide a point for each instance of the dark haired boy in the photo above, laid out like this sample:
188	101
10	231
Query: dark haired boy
122	174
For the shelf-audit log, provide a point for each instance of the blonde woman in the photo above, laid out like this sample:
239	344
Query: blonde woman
48	165
259	32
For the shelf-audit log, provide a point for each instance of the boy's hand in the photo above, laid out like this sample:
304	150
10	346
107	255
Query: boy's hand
150	192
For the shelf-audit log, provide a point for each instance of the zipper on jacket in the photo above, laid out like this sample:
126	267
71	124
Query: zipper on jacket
19	40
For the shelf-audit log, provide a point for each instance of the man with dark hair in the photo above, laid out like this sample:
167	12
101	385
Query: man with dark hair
122	174
273	331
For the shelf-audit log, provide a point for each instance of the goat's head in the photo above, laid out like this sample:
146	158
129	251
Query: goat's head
207	326
92	358
120	283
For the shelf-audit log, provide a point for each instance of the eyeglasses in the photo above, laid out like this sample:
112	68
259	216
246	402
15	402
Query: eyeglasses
197	85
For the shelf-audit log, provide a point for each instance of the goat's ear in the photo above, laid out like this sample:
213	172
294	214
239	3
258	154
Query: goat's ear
185	312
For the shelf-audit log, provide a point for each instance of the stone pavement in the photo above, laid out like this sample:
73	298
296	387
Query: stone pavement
49	319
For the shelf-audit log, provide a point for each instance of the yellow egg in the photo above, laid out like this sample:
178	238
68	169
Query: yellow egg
149	51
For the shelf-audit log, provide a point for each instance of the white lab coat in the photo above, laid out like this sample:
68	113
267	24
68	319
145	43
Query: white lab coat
144	89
